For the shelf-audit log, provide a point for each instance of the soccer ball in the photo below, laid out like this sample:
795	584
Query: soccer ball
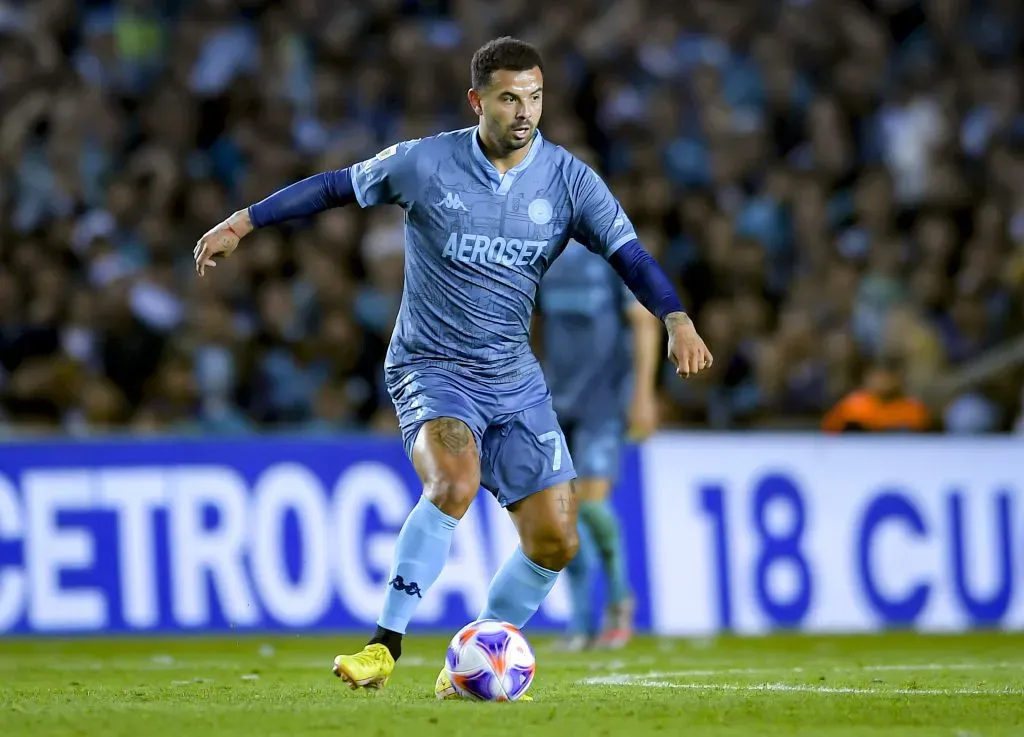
489	660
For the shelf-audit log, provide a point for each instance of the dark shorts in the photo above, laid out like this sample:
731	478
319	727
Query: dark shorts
522	448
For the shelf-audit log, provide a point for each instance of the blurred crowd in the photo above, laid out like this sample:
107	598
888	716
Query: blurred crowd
832	183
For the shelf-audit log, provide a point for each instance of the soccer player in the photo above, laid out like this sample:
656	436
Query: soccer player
585	311
487	210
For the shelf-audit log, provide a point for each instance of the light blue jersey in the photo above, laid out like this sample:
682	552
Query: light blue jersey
476	246
478	243
586	337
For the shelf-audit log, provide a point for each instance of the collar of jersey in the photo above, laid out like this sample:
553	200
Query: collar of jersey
502	183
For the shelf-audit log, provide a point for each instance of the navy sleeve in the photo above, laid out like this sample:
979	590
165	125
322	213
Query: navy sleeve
307	197
645	279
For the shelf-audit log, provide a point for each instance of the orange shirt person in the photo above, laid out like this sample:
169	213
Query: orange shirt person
880	406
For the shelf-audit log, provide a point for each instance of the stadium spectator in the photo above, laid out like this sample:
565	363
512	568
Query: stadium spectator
881	405
829	182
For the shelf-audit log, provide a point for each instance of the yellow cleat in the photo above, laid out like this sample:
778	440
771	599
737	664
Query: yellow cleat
369	668
444	690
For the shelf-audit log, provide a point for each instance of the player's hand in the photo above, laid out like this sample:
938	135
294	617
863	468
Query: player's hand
643	415
221	240
686	349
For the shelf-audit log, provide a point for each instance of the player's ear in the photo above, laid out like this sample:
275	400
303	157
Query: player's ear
474	101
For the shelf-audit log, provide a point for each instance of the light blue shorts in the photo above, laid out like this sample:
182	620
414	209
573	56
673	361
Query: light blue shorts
522	448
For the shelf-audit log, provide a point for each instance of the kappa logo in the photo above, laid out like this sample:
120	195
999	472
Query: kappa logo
412	588
452	201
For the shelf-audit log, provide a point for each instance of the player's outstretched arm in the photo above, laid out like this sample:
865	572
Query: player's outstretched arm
654	290
302	199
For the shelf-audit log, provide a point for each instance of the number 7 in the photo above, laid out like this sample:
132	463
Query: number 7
554	435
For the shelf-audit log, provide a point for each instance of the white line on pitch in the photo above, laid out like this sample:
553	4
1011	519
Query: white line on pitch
622	680
909	667
938	666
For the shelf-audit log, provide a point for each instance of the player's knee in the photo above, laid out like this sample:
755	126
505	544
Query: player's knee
552	548
452	495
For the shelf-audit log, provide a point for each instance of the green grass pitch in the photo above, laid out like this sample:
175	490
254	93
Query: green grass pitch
893	684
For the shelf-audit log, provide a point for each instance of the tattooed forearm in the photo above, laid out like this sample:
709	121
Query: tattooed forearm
451	434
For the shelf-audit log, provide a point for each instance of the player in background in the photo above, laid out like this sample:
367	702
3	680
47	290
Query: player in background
585	311
487	210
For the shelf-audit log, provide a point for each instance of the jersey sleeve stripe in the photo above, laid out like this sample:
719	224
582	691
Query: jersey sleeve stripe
357	188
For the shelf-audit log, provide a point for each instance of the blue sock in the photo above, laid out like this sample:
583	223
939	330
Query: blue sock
420	554
580	573
517	590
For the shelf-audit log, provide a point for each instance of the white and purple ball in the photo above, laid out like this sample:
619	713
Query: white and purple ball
489	660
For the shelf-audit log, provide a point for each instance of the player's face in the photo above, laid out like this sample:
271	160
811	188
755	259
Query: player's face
510	107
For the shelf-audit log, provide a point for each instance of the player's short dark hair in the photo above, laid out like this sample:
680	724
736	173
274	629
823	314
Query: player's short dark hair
502	53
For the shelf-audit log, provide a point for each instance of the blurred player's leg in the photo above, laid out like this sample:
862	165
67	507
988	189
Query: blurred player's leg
580	573
447	462
599	518
597	448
